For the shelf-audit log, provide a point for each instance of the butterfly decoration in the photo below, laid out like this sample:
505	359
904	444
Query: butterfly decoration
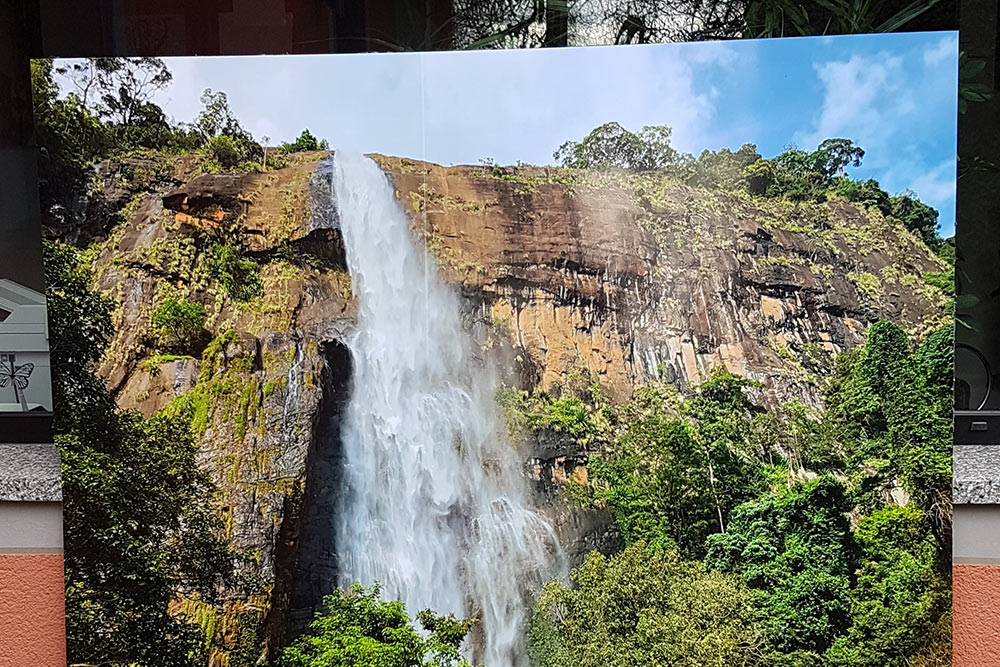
18	377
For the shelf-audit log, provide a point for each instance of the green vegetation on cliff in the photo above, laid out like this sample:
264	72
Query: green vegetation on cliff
109	114
178	322
845	566
794	175
139	525
305	142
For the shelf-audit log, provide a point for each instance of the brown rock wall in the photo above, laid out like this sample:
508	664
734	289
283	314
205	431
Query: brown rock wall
581	270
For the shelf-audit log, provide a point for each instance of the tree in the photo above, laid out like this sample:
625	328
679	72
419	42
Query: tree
677	468
178	322
724	169
894	408
305	142
138	524
917	217
533	23
723	413
356	629
899	596
117	88
934	363
612	146
920	428
807	440
643	608
216	117
69	139
80	328
228	144
833	155
656	482
224	151
867	193
800	176
793	545
84	76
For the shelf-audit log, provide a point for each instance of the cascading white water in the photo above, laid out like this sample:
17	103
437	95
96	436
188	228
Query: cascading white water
434	504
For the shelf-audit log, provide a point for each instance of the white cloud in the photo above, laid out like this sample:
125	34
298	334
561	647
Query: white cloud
548	96
864	100
937	185
714	53
946	48
896	107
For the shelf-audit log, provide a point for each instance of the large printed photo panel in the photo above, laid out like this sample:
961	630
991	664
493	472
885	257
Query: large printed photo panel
596	356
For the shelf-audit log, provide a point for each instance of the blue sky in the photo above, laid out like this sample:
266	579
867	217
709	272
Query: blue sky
894	95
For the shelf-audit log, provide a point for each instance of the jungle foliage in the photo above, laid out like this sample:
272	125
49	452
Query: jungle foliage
238	274
644	607
178	322
138	517
828	531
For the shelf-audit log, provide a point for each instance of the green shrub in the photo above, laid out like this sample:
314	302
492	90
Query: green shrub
239	275
723	169
178	323
946	250
943	280
899	595
917	217
223	150
793	545
759	176
867	193
305	142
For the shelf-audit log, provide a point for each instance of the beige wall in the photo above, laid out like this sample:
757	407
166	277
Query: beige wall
30	527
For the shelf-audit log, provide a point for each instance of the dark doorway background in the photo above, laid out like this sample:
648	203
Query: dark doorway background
50	28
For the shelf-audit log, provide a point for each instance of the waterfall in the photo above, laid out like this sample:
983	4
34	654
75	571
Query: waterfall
434	503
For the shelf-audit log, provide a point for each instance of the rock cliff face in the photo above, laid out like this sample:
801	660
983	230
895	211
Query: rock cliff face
623	276
636	279
269	382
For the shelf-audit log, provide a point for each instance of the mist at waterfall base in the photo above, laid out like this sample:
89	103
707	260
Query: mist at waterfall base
434	503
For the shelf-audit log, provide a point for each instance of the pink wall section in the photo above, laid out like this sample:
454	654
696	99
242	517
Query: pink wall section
32	616
976	630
